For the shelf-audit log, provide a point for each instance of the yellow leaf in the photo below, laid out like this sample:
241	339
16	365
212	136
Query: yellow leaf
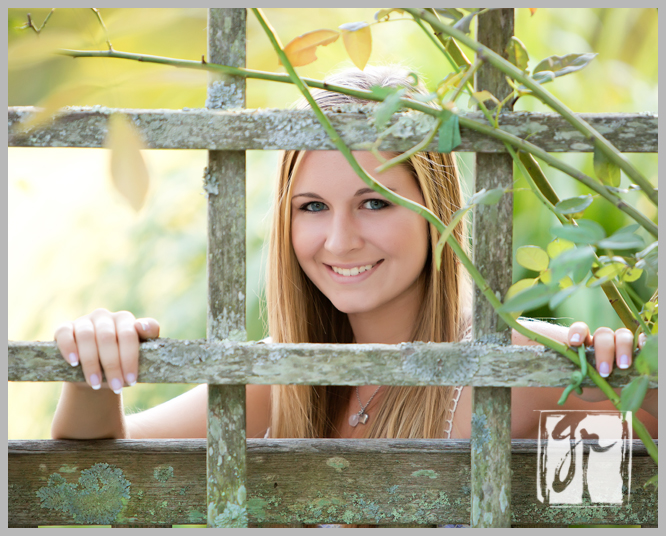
520	286
481	96
557	246
301	50
128	170
358	42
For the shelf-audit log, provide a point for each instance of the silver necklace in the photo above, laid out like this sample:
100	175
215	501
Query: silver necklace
361	416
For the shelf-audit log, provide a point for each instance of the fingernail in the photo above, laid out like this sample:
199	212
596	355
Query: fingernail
144	326
604	370
130	379
624	361
73	359
94	381
575	337
116	385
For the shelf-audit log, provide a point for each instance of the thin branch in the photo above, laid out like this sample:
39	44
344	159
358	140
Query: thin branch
511	70
106	33
518	143
31	24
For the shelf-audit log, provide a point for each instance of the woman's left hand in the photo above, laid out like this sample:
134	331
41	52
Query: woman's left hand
609	346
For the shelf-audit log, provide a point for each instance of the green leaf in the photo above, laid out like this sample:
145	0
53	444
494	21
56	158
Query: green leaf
455	219
578	261
517	53
561	296
605	170
449	134
622	241
519	286
486	197
647	361
632	395
586	232
387	108
383	14
632	274
449	13
562	65
543	77
532	258
652	481
530	298
574	204
557	246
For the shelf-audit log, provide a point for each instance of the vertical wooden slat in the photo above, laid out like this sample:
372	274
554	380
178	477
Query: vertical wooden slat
492	239
225	187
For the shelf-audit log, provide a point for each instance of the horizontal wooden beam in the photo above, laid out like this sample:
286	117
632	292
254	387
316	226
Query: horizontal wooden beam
232	363
372	481
293	129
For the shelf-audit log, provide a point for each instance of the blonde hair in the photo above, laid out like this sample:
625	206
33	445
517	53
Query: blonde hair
299	312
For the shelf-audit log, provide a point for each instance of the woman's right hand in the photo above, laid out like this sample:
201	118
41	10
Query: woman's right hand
106	341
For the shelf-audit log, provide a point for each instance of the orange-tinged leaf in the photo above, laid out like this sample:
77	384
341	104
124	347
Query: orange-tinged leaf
128	169
357	38
301	50
532	10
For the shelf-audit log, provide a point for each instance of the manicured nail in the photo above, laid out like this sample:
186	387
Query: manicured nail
624	361
604	370
94	381
144	325
575	337
73	359
116	385
130	379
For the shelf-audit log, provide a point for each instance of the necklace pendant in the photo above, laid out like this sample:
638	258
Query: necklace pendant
363	418
353	420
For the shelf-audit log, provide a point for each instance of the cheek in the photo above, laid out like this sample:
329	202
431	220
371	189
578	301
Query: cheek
303	240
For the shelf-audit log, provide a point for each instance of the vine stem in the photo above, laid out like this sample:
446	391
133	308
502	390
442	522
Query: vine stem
511	70
518	143
476	275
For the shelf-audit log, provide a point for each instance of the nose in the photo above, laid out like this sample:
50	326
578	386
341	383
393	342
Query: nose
343	235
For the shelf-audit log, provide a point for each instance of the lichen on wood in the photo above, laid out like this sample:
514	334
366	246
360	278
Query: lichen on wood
276	129
233	363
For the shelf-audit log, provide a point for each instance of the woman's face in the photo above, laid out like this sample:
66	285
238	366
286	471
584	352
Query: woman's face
360	250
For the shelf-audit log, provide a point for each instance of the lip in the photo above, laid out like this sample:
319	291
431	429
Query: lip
351	278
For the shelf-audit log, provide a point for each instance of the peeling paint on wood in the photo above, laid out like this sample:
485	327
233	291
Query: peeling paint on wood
276	129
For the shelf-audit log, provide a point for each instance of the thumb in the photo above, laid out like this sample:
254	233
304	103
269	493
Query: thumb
147	328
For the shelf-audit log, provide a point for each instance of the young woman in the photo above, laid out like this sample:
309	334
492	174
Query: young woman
345	266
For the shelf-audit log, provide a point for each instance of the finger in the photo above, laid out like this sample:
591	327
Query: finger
624	344
64	337
579	334
604	350
107	346
128	345
84	336
641	339
147	328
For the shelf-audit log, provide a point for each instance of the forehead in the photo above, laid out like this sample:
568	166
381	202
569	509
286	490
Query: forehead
330	170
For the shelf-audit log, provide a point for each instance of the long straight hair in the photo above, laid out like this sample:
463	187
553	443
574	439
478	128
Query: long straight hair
298	311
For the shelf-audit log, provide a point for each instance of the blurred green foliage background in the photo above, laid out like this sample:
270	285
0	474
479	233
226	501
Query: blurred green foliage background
75	244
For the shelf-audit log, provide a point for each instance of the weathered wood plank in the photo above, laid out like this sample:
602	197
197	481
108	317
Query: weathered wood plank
225	188
227	362
292	129
294	480
492	240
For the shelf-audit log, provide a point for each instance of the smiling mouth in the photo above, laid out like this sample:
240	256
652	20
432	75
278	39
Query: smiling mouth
356	270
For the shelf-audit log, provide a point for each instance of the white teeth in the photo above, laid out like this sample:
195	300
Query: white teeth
347	272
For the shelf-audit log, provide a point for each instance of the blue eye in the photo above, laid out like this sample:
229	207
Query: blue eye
375	204
314	206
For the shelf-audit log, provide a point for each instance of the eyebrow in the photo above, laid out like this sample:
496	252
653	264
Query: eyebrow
362	191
